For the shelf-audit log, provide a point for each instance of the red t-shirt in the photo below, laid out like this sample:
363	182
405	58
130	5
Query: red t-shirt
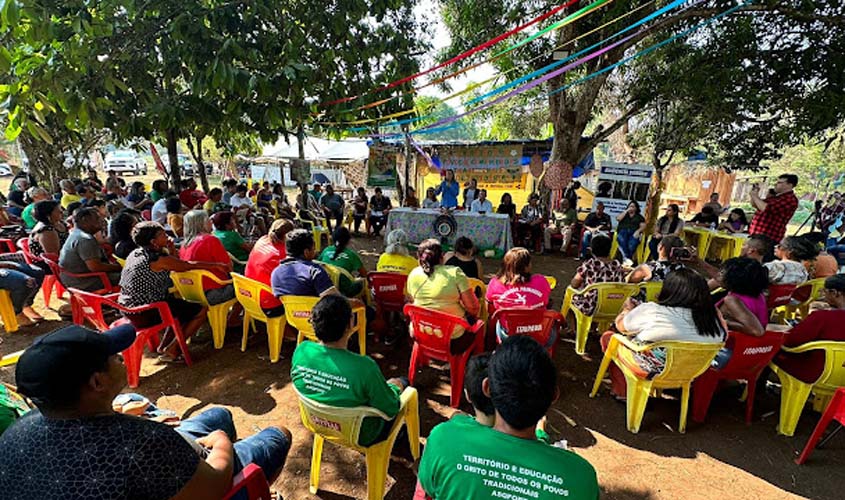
190	197
263	259
820	325
207	248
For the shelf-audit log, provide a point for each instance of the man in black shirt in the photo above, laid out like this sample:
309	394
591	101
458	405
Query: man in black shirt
596	222
379	207
76	446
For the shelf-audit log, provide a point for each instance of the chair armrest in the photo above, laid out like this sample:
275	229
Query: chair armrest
10	359
104	278
477	327
618	339
809	346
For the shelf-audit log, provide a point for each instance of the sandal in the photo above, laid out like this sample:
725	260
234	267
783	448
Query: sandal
171	359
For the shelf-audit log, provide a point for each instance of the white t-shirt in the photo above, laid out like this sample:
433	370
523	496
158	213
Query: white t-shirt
159	212
427	203
786	272
652	322
240	201
481	206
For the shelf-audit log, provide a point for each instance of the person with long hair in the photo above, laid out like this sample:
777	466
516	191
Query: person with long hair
737	222
339	254
516	286
443	288
137	198
449	190
120	232
666	263
360	205
670	224
431	201
396	258
199	245
507	206
601	268
464	256
630	225
50	231
684	311
789	269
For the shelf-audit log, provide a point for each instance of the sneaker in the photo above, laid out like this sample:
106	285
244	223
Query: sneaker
628	263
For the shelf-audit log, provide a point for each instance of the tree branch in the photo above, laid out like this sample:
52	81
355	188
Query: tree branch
603	133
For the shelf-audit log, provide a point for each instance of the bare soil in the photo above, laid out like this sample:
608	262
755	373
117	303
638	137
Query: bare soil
721	459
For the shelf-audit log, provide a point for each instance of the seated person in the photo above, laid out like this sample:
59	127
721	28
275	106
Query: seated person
522	384
744	307
215	197
629	231
562	223
137	198
265	256
715	205
598	269
159	188
737	222
597	222
379	208
684	311
190	196
529	226
69	193
34	195
146	280
225	229
50	232
340	255
360	206
705	218
17	197
200	245
442	288
411	199
73	375
516	286
357	379
175	218
396	258
481	205
507	207
120	231
666	263
82	254
789	269
670	224
159	211
431	201
333	207
297	274
819	325
22	281
464	257
241	198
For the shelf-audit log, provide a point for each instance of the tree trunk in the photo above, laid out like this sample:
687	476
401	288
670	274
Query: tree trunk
173	158
196	152
653	205
46	161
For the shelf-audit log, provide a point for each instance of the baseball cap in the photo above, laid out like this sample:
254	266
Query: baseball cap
59	363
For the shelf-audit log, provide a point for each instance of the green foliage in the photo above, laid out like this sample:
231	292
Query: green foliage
820	167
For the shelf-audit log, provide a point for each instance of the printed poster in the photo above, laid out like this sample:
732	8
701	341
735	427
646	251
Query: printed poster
381	166
482	157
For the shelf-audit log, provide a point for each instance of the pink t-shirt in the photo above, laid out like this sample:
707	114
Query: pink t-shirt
534	294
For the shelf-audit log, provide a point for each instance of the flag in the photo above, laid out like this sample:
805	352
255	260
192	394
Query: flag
157	158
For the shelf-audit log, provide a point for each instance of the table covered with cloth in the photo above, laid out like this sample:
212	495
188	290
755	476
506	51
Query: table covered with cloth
487	231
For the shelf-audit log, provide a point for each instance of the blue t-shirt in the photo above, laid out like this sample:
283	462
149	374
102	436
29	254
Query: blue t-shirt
449	192
299	277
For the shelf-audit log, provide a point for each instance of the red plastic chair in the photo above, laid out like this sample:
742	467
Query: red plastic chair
253	480
750	356
388	291
52	260
7	245
51	281
90	306
779	295
147	214
835	411
535	323
432	335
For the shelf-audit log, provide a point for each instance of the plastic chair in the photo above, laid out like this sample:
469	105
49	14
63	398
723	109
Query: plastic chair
432	337
750	356
794	393
835	411
800	299
611	296
91	306
190	287
235	260
388	290
248	293
8	244
253	480
552	281
480	290
51	281
298	314
684	362
335	273
779	295
11	358
120	261
7	312
53	262
342	426
651	289
317	230
147	214
535	323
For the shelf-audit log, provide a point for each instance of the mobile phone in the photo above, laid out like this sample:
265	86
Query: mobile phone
682	253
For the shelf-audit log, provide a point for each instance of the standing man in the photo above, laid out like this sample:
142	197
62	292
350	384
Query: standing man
717	207
333	207
379	208
775	212
481	204
595	223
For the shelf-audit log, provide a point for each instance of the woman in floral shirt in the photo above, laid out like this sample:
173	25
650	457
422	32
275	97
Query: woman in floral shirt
600	269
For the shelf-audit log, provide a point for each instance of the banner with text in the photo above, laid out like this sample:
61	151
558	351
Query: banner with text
482	157
381	167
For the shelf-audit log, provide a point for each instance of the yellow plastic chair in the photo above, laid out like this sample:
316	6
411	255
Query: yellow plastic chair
10	359
794	393
684	362
652	290
799	310
120	261
317	230
189	285
298	313
342	426
248	294
552	281
235	260
480	290
336	272
7	312
611	296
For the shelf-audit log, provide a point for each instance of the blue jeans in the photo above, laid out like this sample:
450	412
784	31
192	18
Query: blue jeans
652	247
585	243
627	243
838	252
268	449
16	280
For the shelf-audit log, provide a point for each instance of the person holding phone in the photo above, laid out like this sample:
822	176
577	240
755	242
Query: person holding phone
774	212
629	230
595	223
670	252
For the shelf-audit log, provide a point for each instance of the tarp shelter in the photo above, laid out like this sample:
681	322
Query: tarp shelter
341	162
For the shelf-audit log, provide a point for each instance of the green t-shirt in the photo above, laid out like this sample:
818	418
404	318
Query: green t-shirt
342	378
629	222
12	407
492	464
28	220
155	195
348	260
567	218
232	242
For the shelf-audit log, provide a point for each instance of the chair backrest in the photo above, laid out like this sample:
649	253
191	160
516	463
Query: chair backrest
52	261
750	354
388	289
248	292
120	261
91	305
252	479
611	296
532	322
298	313
685	361
779	295
338	425
23	246
806	292
552	281
833	375
433	329
190	284
652	290
336	272
480	290
147	214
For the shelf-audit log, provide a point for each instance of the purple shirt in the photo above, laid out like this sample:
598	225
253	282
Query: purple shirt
299	277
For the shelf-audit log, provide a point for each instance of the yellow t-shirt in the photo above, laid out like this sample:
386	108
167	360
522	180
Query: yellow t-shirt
441	291
208	206
395	263
67	199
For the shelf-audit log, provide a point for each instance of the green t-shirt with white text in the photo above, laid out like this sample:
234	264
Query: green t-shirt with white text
342	378
491	464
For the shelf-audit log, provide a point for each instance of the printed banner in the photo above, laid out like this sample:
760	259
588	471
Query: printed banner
511	178
381	167
482	157
158	162
300	170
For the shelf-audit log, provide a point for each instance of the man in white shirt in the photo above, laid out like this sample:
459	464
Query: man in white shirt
481	204
159	210
240	198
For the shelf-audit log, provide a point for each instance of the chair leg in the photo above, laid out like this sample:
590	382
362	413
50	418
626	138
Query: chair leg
682	425
316	458
582	332
638	393
47	288
605	363
217	316
274	339
412	367
750	389
705	387
180	338
827	416
7	312
793	397
412	424
247	323
132	358
457	366
378	459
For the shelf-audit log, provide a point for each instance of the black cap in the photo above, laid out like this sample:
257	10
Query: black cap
56	365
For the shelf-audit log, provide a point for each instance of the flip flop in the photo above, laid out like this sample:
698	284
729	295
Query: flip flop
170	359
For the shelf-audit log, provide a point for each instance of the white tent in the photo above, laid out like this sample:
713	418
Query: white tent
344	151
318	149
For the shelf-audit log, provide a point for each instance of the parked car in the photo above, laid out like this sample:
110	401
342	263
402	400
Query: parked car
186	165
5	170
125	161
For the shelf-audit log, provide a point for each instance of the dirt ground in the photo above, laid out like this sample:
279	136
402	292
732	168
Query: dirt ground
721	459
